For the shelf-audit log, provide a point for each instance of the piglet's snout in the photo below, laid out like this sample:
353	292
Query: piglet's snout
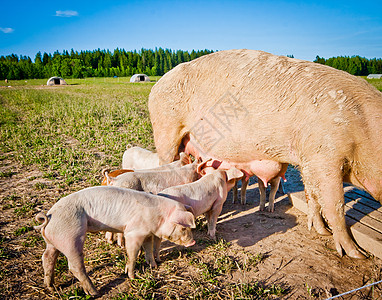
190	244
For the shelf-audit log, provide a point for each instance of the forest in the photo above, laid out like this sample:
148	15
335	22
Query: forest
96	63
354	65
104	63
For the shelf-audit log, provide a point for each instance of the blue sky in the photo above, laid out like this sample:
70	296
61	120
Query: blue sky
302	28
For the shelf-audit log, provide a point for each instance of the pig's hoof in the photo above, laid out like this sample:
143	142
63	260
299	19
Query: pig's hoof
212	237
323	231
349	247
356	254
92	292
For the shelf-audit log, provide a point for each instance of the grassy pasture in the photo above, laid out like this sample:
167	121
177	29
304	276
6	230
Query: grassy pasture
69	132
56	140
59	139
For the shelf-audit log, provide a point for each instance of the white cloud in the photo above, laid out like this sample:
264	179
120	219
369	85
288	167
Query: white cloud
6	30
66	13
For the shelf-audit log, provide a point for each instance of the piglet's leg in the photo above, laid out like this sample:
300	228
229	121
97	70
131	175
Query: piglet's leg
243	191
148	246
73	250
77	267
157	242
234	193
212	217
49	259
263	194
133	243
109	237
274	187
120	239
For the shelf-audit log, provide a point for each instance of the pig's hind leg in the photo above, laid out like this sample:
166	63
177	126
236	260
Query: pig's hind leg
263	194
275	182
325	182
243	190
74	253
315	218
234	193
49	259
212	218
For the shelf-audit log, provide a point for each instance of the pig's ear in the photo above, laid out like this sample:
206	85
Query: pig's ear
183	218
104	180
234	173
109	180
185	159
190	209
201	166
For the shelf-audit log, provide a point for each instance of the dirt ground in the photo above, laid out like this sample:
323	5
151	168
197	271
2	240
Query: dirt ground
303	263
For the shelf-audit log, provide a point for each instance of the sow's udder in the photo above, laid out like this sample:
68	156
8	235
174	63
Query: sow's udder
263	169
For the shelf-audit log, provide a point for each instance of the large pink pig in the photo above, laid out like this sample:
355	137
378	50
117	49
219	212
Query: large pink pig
258	112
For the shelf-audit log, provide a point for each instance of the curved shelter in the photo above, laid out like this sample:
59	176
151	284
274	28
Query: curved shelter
139	78
374	76
56	81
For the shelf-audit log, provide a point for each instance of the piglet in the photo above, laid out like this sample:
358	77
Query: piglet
206	195
138	215
184	160
154	181
139	158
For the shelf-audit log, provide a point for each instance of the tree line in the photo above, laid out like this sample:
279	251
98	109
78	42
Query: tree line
104	63
354	65
96	63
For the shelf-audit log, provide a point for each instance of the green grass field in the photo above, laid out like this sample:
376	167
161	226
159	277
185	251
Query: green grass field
69	132
56	140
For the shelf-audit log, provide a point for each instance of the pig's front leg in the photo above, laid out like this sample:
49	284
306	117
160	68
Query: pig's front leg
133	243
157	242
120	239
148	247
109	236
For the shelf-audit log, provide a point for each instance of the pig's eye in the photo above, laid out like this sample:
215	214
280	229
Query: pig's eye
184	228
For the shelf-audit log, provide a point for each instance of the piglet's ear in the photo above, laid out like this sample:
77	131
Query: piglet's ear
234	173
201	166
190	209
184	218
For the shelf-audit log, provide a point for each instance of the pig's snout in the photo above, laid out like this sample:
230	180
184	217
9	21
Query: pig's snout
190	244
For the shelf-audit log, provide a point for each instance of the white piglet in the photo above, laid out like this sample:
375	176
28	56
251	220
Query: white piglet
139	158
154	181
207	195
138	215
